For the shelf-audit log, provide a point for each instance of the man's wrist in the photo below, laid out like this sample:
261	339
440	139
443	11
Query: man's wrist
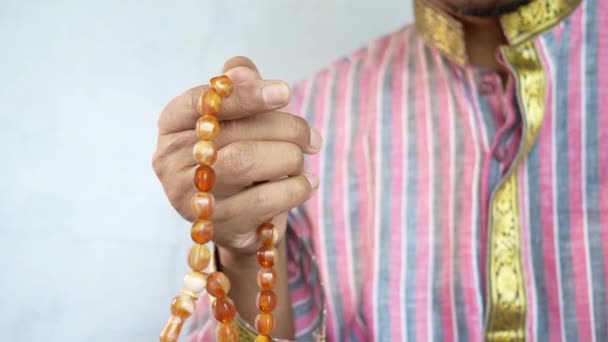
231	261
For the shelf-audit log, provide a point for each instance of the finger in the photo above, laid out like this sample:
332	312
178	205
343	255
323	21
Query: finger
241	69
249	98
263	201
272	126
243	163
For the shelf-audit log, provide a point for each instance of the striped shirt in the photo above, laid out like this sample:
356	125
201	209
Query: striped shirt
445	195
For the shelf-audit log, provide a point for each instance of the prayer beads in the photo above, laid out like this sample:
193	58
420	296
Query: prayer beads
202	202
267	278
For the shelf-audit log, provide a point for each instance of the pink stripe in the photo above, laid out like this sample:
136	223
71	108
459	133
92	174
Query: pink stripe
397	151
602	126
369	104
423	237
342	262
547	210
484	199
576	186
471	161
321	100
302	294
447	204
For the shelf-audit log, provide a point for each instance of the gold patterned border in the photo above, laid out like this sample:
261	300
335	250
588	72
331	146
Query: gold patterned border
535	17
506	318
440	30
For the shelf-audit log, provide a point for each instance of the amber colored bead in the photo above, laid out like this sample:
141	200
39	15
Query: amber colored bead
222	85
210	103
207	127
204	152
265	234
262	338
267	301
202	204
223	309
201	231
199	257
264	322
267	256
172	329
218	285
227	332
267	278
204	178
182	306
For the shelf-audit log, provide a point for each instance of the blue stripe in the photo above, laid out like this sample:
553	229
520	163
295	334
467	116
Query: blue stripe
354	180
536	244
328	210
563	198
438	239
412	194
592	148
385	203
462	333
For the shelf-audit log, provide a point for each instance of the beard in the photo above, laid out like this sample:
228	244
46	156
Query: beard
484	8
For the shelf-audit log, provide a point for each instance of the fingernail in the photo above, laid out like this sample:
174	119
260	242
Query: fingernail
312	179
316	141
275	93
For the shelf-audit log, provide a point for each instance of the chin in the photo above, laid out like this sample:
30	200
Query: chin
483	8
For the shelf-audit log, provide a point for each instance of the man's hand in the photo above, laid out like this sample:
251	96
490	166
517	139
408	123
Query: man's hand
257	143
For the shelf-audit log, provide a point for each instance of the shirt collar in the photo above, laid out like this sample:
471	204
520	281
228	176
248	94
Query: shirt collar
445	33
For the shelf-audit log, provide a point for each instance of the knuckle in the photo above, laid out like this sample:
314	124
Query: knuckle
260	200
236	61
297	128
240	158
158	164
296	157
298	191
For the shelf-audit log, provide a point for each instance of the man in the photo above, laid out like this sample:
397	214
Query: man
461	192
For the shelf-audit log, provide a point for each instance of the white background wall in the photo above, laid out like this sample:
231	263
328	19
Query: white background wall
90	249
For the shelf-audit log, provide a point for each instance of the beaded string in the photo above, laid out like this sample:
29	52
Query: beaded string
267	278
216	283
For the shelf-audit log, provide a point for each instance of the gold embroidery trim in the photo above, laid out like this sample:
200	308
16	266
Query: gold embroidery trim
446	34
535	17
506	318
440	30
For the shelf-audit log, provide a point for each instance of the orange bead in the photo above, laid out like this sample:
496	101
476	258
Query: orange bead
264	323
267	301
182	306
267	256
204	178
266	234
172	329
199	257
202	204
262	338
207	127
204	153
227	332
267	278
218	285
223	309
210	103
222	85
201	231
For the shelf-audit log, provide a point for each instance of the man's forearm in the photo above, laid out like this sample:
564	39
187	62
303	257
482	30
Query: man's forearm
242	272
